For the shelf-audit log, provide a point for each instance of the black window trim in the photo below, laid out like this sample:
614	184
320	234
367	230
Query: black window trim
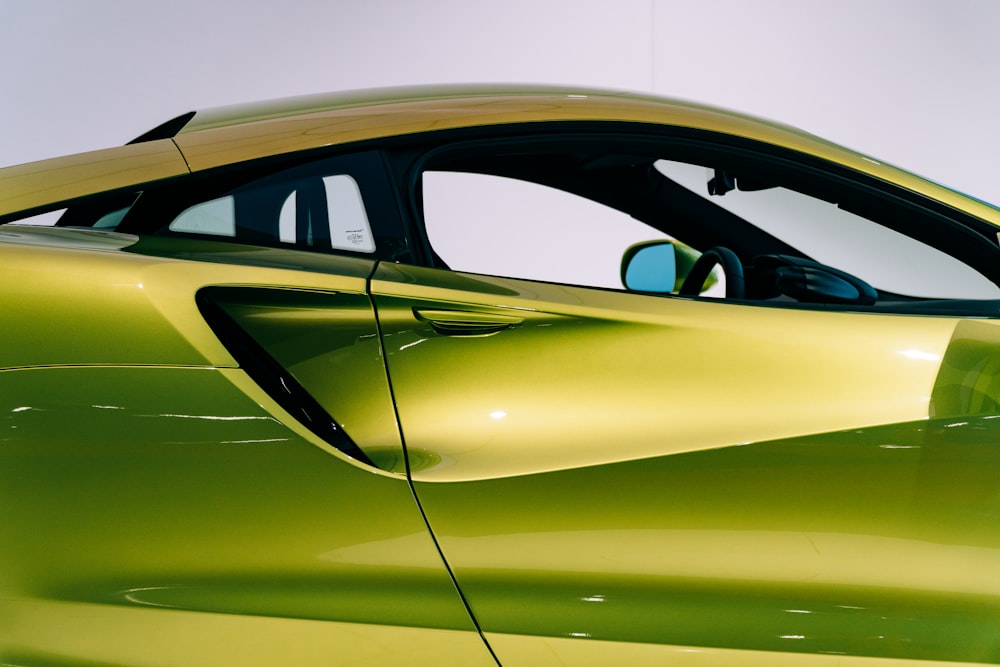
974	241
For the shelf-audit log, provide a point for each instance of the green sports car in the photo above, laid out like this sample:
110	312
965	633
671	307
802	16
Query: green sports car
482	376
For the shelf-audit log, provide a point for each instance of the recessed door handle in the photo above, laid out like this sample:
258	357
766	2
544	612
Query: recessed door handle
465	322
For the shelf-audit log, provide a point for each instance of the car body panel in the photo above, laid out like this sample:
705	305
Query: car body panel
120	386
70	634
313	122
39	184
140	301
239	133
236	442
329	342
590	376
638	528
526	650
213	505
874	542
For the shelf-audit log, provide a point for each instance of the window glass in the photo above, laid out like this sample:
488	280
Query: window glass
112	219
330	204
104	211
42	219
887	259
349	228
216	217
509	227
50	218
321	212
579	213
286	221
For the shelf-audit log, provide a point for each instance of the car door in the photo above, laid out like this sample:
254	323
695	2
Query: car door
200	462
616	475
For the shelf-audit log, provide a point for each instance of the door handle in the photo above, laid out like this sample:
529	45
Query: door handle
465	322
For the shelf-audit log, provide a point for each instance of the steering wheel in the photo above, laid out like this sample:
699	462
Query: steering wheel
731	266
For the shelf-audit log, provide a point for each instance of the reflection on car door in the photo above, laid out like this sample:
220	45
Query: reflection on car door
161	489
665	477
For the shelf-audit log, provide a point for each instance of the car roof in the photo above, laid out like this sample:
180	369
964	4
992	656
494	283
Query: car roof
211	138
243	132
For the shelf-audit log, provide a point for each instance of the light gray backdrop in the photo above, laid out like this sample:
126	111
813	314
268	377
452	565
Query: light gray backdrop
914	82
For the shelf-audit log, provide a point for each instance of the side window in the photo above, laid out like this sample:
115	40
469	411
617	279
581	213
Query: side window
102	211
337	203
348	229
46	219
481	223
318	211
637	215
216	217
830	234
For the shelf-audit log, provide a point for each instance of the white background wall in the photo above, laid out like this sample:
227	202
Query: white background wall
914	82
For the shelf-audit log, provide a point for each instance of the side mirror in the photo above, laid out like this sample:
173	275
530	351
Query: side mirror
650	267
659	267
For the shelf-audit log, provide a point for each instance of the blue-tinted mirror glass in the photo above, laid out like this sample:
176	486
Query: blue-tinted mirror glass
652	269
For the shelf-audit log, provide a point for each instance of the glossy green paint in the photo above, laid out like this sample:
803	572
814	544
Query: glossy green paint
171	488
80	298
159	508
114	635
585	480
40	185
876	542
526	650
968	382
230	135
329	342
75	306
246	132
571	377
147	483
